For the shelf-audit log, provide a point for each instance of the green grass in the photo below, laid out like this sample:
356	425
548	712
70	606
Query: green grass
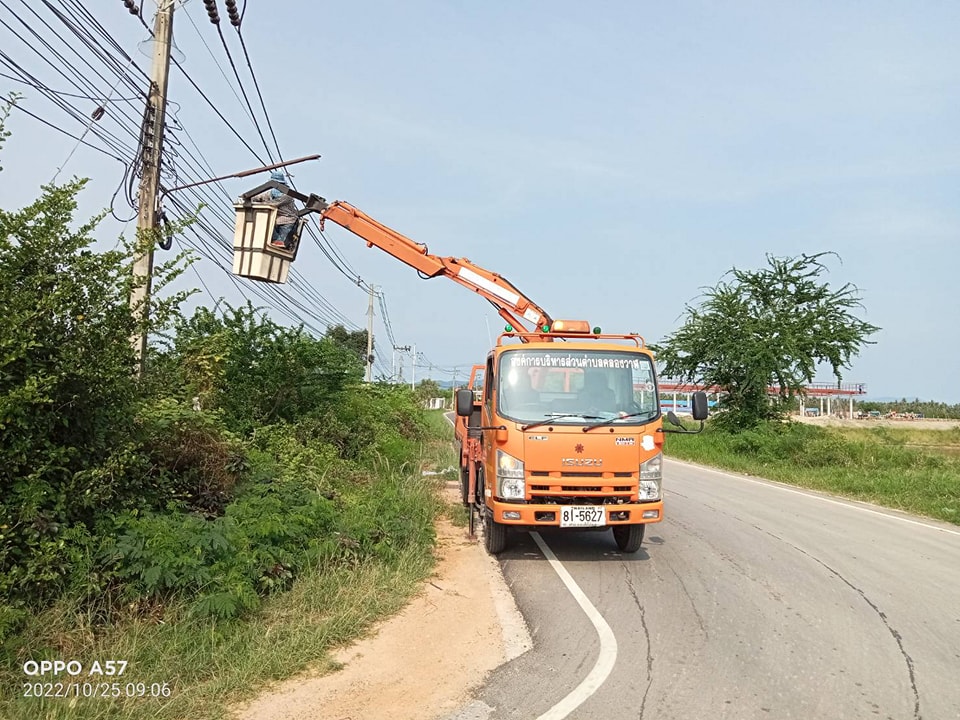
439	454
897	469
457	514
943	440
442	457
210	665
438	423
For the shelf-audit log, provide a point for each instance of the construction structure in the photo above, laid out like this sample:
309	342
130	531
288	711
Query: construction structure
676	396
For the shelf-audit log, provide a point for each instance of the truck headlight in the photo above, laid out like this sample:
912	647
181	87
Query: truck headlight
651	474
510	483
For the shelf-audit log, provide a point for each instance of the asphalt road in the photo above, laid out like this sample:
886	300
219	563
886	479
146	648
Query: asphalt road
750	600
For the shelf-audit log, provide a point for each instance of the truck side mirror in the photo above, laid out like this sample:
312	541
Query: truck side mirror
700	406
464	402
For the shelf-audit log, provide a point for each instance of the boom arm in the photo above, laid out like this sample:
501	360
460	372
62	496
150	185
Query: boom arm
512	305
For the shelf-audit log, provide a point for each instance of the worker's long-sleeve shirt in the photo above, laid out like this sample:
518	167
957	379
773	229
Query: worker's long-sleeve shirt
286	207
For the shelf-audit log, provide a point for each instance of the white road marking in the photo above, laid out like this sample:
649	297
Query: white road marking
845	503
608	642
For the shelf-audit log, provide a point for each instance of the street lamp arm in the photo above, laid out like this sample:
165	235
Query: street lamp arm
245	173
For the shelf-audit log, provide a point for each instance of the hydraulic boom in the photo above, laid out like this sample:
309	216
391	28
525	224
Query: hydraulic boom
511	304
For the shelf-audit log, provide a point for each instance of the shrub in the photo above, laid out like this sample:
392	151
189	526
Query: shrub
255	371
67	393
193	460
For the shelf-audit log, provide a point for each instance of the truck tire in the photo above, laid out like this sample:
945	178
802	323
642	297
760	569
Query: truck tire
628	537
494	534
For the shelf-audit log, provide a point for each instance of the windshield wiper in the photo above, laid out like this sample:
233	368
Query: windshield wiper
558	416
613	420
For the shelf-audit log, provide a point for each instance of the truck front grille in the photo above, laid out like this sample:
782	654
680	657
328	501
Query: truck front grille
594	487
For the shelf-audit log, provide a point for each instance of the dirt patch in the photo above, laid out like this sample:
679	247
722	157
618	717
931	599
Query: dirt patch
423	662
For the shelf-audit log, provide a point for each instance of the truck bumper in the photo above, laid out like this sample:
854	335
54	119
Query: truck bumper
549	514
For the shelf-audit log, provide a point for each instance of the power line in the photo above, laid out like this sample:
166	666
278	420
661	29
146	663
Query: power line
211	6
59	92
94	117
256	85
217	111
215	61
386	318
61	130
301	295
82	82
109	139
328	249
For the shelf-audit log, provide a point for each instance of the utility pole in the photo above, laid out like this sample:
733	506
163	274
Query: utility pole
413	368
151	149
453	391
369	357
401	349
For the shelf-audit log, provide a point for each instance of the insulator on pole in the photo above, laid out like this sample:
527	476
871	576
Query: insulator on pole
131	7
233	12
211	6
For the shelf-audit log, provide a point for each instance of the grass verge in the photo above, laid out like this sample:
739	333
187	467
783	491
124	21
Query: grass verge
442	457
876	466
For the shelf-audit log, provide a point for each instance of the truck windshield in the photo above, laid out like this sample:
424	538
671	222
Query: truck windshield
576	387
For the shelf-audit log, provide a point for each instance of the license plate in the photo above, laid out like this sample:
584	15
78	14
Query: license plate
582	516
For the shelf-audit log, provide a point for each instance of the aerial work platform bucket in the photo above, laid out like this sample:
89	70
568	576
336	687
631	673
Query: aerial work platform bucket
253	255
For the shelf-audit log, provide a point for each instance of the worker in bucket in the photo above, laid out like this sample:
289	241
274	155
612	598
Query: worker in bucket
286	212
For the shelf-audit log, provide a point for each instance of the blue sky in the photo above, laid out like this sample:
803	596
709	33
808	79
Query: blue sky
609	159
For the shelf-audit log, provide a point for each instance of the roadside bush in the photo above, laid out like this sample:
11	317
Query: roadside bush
193	460
774	443
317	511
68	396
221	566
299	454
256	372
375	421
243	455
396	512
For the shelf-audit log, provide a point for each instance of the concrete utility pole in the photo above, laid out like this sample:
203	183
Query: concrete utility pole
152	147
413	368
369	357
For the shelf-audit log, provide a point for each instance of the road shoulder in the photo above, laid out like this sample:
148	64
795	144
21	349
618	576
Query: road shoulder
426	660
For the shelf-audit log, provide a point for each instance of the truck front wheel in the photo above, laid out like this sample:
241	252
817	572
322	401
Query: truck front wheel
494	533
628	537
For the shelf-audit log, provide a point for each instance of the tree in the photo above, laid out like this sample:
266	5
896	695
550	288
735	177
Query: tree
429	388
355	341
763	329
